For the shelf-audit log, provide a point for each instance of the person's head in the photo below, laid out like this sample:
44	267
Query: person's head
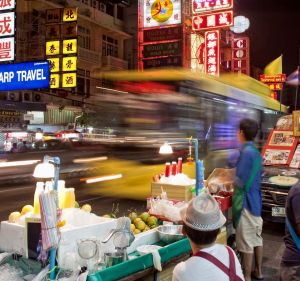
248	129
202	220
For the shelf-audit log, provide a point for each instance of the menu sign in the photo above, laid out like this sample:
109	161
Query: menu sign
163	62
213	20
162	49
163	34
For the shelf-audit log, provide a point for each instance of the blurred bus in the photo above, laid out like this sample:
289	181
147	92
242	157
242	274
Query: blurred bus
145	109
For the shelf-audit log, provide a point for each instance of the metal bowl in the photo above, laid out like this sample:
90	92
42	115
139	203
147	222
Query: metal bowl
170	233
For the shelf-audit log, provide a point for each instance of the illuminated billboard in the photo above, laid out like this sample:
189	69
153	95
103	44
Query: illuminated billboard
162	12
212	53
213	20
201	6
24	76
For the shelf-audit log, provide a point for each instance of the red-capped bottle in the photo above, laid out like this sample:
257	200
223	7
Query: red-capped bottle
179	166
174	168
167	170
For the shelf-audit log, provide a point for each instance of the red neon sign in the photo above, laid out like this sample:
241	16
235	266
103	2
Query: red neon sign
213	20
212	53
200	6
241	55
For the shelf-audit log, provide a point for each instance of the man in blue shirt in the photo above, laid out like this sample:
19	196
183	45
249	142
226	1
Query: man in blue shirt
249	228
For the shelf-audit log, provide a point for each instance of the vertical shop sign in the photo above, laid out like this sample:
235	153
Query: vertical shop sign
240	55
61	47
212	53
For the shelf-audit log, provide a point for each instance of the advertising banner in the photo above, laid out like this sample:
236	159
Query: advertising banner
163	62
162	49
162	12
163	34
24	76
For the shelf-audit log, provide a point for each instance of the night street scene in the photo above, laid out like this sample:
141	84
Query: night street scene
149	140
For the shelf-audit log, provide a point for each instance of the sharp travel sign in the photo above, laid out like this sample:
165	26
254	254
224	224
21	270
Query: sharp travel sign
24	76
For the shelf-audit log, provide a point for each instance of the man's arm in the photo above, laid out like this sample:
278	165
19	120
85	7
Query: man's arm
243	169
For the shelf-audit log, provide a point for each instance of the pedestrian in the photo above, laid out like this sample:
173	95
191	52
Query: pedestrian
247	201
290	262
202	221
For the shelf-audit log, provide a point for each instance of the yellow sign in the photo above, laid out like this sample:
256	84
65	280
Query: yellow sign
70	46
70	14
54	64
69	64
69	80
54	81
52	48
161	11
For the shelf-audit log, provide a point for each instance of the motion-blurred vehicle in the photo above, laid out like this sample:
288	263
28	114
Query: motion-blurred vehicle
151	107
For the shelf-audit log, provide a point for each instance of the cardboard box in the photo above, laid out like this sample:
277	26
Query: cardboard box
176	192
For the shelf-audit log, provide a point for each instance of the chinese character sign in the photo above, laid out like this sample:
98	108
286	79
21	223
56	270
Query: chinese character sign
7	49
69	80
54	64
69	64
200	6
7	4
70	14
54	81
70	46
212	53
162	12
212	21
52	48
7	24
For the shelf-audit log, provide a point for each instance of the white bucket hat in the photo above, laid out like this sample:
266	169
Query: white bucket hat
203	213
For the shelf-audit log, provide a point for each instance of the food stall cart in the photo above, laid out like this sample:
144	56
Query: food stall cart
281	166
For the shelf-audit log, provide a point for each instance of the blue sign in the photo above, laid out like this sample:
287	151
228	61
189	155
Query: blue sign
24	76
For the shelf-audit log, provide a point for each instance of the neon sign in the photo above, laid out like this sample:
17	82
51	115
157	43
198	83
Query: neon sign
212	53
213	20
200	6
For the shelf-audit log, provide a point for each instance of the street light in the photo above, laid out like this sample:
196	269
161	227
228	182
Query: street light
49	169
167	149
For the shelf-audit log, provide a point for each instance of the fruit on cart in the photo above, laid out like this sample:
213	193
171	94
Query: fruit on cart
152	221
146	228
133	216
132	227
136	231
14	216
144	216
136	221
61	223
140	225
76	205
107	216
27	209
87	208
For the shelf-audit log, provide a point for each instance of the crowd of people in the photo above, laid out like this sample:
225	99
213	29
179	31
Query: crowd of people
203	219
